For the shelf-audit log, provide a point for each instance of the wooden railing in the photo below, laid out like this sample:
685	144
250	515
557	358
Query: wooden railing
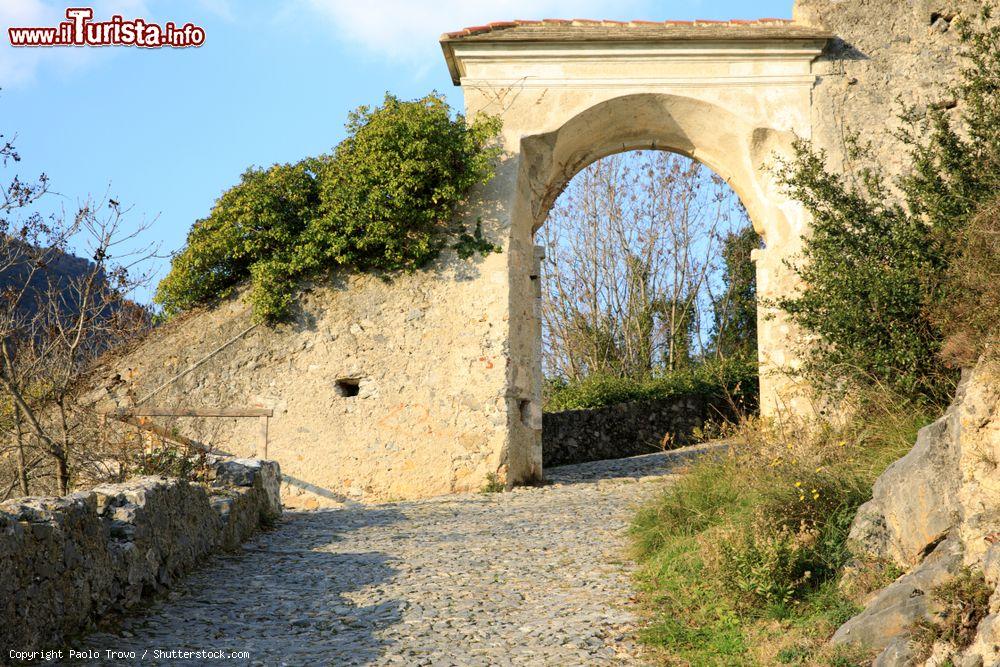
140	418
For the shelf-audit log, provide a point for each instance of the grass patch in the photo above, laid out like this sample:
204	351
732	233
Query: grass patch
709	627
492	484
740	560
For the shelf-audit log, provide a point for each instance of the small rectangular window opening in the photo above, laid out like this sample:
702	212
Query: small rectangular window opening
348	387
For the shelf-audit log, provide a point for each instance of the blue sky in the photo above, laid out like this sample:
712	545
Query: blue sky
168	130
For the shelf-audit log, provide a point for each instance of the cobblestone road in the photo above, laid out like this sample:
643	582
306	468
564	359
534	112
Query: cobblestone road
538	576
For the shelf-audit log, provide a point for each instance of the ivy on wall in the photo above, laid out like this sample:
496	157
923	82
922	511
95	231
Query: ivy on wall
383	200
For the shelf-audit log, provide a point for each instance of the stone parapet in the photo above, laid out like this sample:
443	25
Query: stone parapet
67	561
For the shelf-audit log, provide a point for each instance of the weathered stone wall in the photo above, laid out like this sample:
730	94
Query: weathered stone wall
423	351
887	55
626	429
934	511
65	562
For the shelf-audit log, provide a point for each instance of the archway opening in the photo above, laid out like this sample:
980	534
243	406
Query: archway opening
647	307
733	146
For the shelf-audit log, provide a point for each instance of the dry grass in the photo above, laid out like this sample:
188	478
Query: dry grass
741	559
970	308
963	602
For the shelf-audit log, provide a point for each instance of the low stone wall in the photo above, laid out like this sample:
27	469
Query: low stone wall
65	562
625	429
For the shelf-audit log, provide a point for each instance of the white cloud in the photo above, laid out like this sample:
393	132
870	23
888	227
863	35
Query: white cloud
406	30
20	66
221	8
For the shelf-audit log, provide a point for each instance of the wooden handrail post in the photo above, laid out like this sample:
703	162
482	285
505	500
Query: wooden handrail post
263	436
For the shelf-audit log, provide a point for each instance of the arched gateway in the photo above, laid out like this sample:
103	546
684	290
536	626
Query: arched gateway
731	95
444	363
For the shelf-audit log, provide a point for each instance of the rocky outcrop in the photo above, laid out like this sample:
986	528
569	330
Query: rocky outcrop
933	512
915	501
902	603
65	562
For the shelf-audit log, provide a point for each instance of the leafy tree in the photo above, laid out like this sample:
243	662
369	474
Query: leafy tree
734	331
383	200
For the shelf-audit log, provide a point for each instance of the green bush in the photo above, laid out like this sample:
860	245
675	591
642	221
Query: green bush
170	461
393	184
878	270
763	568
260	217
384	200
737	379
863	295
756	539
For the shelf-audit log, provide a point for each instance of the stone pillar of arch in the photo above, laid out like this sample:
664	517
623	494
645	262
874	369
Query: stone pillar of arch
730	95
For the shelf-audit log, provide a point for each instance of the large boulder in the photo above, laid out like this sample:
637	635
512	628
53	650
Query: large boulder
914	503
933	512
903	602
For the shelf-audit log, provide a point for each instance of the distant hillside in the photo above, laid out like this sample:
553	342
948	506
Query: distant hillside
60	270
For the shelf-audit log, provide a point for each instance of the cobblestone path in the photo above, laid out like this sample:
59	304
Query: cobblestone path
538	576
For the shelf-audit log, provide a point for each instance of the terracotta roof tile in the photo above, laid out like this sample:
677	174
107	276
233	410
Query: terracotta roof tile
604	31
498	26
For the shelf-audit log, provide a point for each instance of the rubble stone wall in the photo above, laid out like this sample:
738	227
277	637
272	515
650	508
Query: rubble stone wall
66	562
626	429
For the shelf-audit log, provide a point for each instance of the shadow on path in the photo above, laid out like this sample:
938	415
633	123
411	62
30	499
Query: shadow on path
533	577
634	467
283	593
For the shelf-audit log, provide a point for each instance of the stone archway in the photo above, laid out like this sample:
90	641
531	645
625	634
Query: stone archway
730	95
